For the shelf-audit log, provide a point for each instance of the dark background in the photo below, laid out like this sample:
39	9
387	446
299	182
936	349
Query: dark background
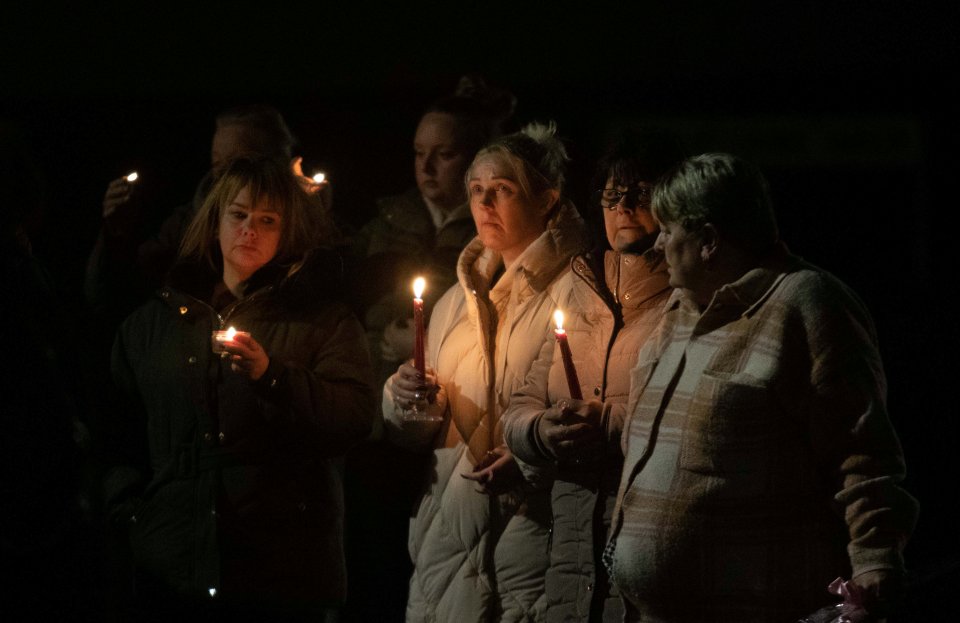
849	107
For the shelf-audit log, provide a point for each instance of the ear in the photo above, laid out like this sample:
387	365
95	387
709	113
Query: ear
709	242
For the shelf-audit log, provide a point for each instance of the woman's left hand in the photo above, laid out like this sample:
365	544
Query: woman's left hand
497	473
247	357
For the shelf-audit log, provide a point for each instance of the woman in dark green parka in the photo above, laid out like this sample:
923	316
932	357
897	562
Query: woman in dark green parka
225	467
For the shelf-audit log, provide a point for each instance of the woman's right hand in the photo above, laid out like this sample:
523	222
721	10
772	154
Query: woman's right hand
571	429
408	387
117	206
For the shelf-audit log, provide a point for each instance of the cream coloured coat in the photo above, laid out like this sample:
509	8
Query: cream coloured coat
477	557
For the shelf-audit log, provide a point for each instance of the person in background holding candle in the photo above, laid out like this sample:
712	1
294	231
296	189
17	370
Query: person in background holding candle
128	261
225	470
479	538
760	463
420	232
612	300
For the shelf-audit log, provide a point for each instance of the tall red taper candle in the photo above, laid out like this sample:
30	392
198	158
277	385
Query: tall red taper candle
418	358
573	383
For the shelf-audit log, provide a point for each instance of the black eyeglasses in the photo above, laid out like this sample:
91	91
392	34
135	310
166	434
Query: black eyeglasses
610	198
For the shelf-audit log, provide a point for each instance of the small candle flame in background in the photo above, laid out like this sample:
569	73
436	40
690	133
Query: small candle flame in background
558	318
318	177
132	177
419	284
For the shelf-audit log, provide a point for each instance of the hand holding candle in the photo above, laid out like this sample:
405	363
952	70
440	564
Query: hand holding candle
573	383
413	390
246	355
219	338
117	198
419	362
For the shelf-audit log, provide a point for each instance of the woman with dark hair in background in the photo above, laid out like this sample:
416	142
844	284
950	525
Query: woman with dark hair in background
224	466
612	300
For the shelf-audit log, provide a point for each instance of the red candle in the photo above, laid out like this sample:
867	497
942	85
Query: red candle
573	383
418	360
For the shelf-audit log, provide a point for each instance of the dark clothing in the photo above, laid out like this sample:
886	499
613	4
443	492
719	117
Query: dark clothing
46	536
231	487
396	246
124	269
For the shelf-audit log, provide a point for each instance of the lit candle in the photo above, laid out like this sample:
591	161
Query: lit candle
418	359
573	383
132	176
318	177
225	335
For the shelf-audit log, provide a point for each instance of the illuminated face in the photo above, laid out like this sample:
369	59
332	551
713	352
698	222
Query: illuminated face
439	163
249	235
682	250
630	226
505	220
228	143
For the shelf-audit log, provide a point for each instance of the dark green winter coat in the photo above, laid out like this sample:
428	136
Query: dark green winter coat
233	487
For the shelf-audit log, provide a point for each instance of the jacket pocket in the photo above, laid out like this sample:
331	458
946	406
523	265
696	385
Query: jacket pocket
733	427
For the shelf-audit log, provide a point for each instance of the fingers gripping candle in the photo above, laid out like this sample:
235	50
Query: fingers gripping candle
418	357
573	383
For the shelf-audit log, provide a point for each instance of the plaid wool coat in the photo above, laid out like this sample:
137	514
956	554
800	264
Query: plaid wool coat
760	463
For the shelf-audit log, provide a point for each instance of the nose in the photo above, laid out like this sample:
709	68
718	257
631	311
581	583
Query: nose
248	227
658	243
486	198
624	205
428	163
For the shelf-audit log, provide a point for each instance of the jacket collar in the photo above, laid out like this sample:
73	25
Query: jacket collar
744	296
320	272
534	269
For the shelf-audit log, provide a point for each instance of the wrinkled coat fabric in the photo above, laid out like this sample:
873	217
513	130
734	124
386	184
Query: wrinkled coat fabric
610	311
482	558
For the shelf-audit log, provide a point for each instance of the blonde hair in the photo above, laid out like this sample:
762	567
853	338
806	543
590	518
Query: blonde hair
305	223
535	157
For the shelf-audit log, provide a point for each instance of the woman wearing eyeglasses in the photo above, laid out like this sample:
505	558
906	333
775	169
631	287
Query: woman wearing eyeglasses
612	301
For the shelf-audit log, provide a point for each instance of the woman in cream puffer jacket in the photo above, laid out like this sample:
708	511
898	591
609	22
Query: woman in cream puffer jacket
479	535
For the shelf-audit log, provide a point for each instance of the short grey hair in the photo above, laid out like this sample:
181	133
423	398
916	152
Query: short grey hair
723	190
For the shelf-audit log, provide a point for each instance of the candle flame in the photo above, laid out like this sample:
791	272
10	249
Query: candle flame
230	333
318	177
132	177
419	284
558	318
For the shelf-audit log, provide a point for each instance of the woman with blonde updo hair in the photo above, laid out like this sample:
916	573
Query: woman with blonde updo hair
479	537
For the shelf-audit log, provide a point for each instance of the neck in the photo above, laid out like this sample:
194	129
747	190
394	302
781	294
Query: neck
441	207
233	279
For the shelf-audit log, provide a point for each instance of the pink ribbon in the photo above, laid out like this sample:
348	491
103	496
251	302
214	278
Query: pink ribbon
853	597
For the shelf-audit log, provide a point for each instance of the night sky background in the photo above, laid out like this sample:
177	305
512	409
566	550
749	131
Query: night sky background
849	107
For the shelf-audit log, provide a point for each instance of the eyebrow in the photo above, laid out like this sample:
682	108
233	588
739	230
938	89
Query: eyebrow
496	178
